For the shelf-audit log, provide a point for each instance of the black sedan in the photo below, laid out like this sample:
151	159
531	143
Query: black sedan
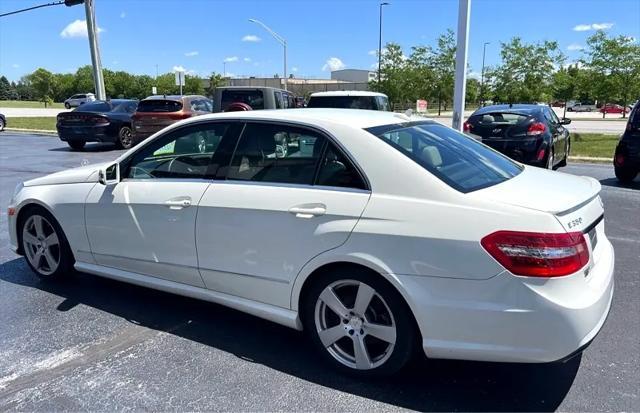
99	121
626	160
531	134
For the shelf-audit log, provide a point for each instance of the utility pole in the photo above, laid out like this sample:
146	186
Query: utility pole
464	7
484	50
380	41
98	79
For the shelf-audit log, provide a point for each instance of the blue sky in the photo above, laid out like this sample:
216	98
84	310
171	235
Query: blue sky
200	34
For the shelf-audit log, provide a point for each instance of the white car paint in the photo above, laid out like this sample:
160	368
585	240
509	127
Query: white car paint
253	254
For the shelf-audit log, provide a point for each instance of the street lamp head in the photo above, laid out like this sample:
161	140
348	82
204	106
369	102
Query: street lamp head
252	20
384	3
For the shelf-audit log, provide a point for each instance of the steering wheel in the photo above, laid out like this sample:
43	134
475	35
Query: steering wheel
185	159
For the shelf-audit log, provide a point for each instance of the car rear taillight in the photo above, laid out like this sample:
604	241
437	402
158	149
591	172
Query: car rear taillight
537	128
540	155
178	115
466	127
534	254
619	160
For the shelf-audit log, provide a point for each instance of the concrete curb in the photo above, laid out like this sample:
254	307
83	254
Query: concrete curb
32	131
590	159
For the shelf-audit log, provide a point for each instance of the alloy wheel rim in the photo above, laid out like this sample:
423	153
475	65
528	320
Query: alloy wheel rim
355	324
41	244
125	137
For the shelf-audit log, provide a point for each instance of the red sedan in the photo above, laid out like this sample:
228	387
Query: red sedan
611	108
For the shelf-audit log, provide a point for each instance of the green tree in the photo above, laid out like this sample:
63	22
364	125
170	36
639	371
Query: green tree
83	80
472	91
442	61
524	75
5	88
393	74
615	62
563	86
215	80
43	82
193	85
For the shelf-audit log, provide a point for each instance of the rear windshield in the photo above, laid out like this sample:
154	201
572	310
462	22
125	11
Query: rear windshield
159	105
253	98
460	161
343	102
94	107
498	118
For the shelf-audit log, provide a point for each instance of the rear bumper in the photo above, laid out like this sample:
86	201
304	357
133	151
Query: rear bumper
87	134
524	150
513	319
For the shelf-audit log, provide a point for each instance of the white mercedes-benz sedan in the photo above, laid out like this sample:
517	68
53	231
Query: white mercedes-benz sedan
376	233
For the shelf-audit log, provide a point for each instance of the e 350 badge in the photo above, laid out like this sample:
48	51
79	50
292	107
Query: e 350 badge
574	223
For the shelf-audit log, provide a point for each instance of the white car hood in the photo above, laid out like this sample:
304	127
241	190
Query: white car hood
543	190
87	173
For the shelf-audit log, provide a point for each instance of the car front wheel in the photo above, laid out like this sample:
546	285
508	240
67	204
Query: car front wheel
44	245
360	323
67	105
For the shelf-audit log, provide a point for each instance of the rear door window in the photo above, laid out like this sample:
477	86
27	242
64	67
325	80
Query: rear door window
253	98
201	105
276	153
279	102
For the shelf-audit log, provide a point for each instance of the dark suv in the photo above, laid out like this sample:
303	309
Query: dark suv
626	160
531	134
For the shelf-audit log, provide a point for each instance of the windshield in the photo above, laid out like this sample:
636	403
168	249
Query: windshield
253	98
460	161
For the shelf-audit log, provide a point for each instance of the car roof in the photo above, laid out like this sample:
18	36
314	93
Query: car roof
250	88
356	118
348	93
516	107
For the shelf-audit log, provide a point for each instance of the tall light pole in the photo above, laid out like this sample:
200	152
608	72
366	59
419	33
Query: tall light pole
280	40
380	40
484	50
98	79
464	7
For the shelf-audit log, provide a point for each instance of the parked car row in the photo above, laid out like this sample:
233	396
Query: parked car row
127	122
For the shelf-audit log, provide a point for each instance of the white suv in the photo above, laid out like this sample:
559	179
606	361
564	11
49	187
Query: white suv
79	99
349	99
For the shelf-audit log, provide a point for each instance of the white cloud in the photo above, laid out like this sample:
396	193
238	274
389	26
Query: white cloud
123	15
251	38
575	46
15	65
601	26
191	54
372	52
247	59
333	63
593	26
294	69
179	68
77	28
231	59
474	75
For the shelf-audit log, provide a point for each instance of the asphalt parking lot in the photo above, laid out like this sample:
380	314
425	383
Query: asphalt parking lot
95	344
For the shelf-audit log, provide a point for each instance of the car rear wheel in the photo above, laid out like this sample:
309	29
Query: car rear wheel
1	124
550	159
125	138
67	105
44	245
359	323
76	145
625	175
563	162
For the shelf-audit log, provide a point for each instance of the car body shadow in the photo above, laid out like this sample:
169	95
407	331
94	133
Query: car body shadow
425	385
91	147
635	184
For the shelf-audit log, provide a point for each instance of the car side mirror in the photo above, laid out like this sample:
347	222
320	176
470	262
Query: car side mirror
109	175
565	121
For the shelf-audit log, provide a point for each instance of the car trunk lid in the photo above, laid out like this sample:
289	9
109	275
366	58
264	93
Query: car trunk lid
501	126
573	200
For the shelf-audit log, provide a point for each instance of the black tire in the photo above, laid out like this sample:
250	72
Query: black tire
1	124
549	164
76	145
625	175
406	337
563	162
125	138
66	259
67	106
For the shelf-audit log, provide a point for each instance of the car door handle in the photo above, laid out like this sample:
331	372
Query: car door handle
178	203
308	210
